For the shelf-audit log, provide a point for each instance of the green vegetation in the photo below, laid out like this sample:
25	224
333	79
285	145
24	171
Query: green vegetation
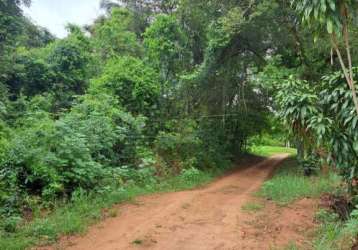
333	234
267	151
290	246
159	95
137	242
252	207
87	208
289	184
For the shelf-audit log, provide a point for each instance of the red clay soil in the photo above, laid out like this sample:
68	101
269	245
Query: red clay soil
206	218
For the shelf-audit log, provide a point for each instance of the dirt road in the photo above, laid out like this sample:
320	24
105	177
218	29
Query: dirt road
207	218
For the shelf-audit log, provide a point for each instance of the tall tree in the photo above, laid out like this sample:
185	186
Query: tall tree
334	16
115	35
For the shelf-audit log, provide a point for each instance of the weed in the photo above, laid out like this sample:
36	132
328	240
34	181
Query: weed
289	246
11	224
252	207
137	242
113	212
333	234
324	216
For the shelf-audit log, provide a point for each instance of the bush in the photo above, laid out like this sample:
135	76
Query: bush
11	223
135	85
190	175
52	158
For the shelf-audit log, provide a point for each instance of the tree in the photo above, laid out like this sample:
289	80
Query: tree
69	60
135	84
143	10
10	20
113	36
166	46
18	69
335	17
297	103
166	49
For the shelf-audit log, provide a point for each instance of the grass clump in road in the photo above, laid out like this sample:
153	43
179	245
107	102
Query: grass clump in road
289	184
252	207
267	151
137	242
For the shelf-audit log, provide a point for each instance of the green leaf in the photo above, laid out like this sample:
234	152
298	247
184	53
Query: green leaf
329	26
323	6
332	5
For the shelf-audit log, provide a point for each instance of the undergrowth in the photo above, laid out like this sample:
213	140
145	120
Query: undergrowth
252	207
333	234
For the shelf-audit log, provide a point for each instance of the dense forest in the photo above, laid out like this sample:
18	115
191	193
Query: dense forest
160	88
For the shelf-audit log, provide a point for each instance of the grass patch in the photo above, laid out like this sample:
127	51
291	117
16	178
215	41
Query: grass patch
267	151
334	234
252	207
137	242
86	209
289	246
289	184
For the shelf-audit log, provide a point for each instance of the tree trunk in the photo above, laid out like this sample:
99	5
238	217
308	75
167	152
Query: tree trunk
300	149
348	74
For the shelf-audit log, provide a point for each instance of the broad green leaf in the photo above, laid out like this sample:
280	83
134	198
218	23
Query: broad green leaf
329	26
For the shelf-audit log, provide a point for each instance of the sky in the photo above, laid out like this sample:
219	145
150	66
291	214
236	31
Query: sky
55	14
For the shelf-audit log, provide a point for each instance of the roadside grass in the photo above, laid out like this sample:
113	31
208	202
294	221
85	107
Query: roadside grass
289	246
252	207
86	209
333	234
267	151
289	184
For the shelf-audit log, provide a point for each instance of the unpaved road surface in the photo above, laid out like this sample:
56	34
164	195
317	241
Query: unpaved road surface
208	218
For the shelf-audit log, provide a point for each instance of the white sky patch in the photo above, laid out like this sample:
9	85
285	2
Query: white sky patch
56	14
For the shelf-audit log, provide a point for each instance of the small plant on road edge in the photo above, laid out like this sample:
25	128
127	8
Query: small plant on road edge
252	207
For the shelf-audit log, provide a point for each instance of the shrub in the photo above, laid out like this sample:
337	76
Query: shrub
11	223
190	175
52	158
135	85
